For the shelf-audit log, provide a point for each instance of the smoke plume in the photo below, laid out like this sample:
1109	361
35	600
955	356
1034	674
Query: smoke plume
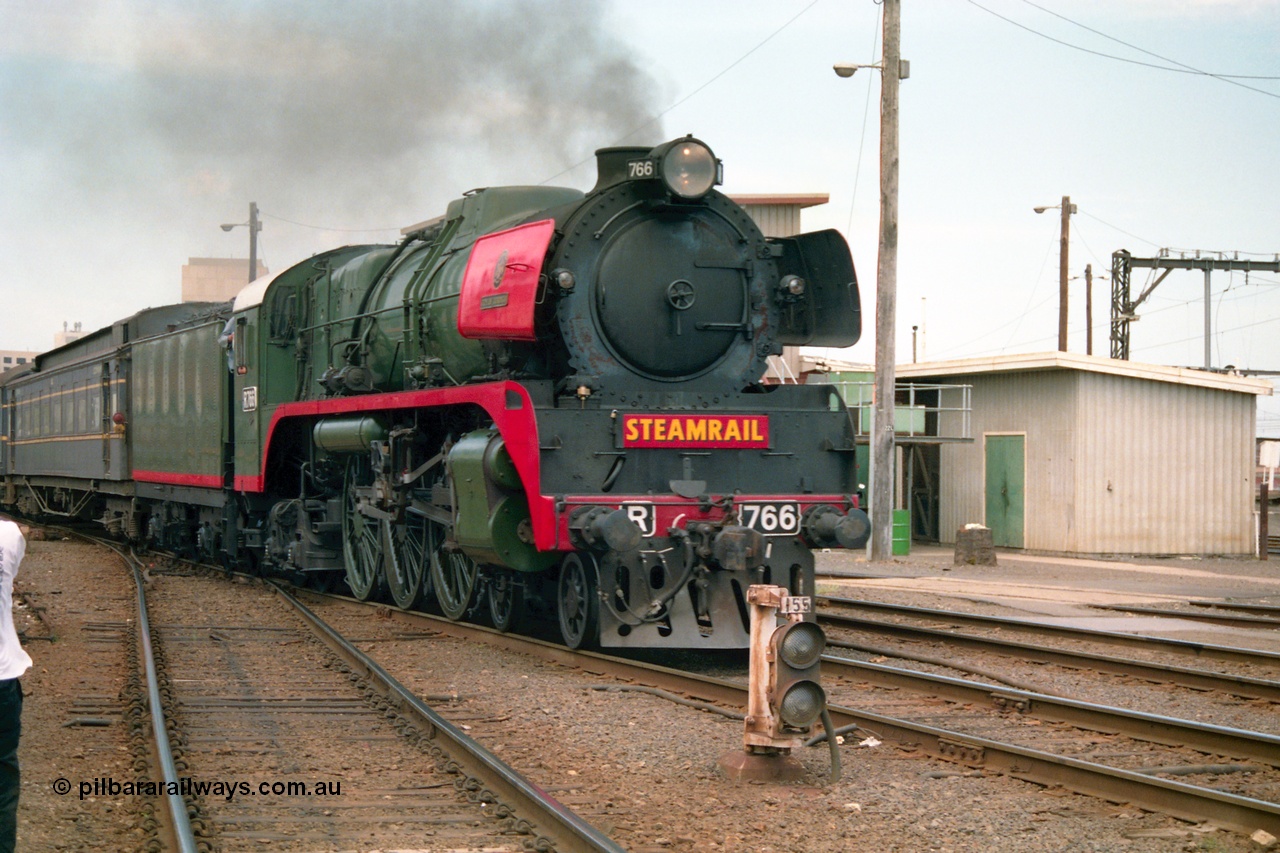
168	117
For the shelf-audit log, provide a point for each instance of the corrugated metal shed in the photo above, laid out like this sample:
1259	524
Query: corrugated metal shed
1116	457
778	215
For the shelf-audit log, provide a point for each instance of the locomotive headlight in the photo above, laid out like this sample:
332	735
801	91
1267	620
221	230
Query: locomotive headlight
688	168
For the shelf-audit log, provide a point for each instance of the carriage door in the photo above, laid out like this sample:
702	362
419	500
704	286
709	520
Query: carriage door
115	444
1005	488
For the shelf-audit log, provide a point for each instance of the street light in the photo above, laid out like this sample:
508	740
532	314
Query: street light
847	69
892	69
1067	209
255	225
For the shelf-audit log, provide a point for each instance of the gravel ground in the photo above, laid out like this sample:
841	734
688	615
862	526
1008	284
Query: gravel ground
640	767
646	771
87	599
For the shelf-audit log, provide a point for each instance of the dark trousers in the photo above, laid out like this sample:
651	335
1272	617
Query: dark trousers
10	728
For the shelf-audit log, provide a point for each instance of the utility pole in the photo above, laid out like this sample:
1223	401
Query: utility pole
1088	309
1064	244
1064	241
892	70
1208	325
254	227
882	442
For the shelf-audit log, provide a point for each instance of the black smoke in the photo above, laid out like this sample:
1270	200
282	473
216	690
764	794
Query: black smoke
346	114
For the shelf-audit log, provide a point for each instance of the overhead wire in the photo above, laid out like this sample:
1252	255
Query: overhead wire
1028	309
1050	339
1016	322
1189	68
1225	78
866	111
1118	228
1252	325
1217	314
1222	296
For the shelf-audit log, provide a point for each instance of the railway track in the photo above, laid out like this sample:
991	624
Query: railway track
272	714
1211	739
1268	662
920	725
1215	615
1245	686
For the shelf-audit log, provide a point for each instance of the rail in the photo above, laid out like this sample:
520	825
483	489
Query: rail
1140	725
570	832
180	827
558	829
1196	679
1118	785
1186	648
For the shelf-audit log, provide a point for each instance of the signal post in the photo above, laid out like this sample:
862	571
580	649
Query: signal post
784	697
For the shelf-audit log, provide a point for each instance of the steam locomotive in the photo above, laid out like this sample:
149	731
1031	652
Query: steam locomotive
543	402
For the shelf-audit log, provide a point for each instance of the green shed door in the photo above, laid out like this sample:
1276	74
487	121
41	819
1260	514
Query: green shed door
1005	488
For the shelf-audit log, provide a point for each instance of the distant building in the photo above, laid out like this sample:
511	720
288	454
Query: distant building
11	358
216	279
778	214
67	335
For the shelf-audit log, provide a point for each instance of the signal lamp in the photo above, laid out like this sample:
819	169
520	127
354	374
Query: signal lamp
796	697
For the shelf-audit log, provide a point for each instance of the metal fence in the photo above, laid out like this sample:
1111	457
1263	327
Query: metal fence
920	409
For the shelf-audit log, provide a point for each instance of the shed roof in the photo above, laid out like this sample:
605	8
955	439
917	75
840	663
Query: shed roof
800	200
1025	362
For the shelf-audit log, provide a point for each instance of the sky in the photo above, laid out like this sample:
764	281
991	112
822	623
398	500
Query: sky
131	129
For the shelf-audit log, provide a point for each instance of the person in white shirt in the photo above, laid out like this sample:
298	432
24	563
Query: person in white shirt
14	661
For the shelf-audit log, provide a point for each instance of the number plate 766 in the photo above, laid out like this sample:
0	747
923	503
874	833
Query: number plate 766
771	519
